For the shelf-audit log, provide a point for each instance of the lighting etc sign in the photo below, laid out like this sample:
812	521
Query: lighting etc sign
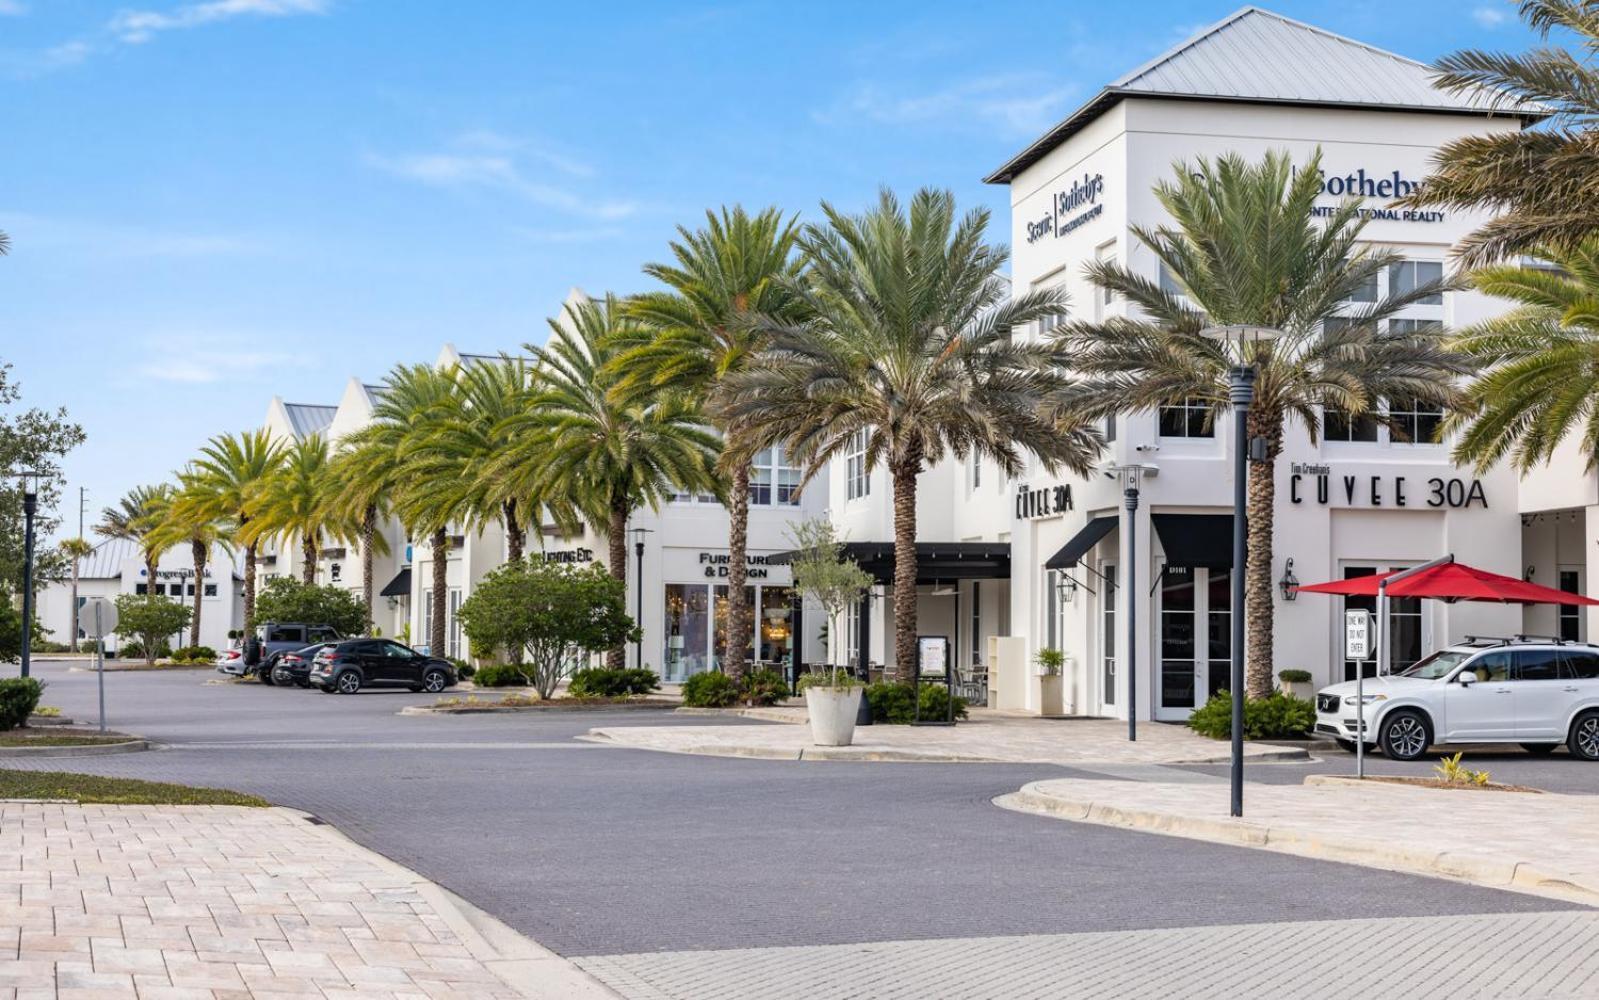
1046	502
1387	186
1069	209
1381	491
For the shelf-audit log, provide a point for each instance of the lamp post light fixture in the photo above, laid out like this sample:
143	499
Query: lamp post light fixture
1245	340
638	599
30	507
1131	478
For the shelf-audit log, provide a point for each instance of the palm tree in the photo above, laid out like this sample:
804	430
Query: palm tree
1248	249
701	331
414	401
1539	381
907	341
135	518
222	485
610	453
1540	183
361	479
179	524
75	549
292	503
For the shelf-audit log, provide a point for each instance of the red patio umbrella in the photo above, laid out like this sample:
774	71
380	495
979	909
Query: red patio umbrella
1450	581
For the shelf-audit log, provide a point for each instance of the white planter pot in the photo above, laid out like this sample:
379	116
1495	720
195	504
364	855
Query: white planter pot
1051	695
832	714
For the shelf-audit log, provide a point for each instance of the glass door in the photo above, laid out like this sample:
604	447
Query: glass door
1194	638
1406	625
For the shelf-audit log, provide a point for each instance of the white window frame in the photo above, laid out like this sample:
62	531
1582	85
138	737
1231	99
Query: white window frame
857	477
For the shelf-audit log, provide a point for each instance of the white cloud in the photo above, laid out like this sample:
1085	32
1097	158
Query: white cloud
1488	16
12	8
1015	104
138	26
592	234
202	359
31	233
486	161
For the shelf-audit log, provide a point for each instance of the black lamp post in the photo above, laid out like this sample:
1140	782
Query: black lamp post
30	507
1131	477
638	599
1240	393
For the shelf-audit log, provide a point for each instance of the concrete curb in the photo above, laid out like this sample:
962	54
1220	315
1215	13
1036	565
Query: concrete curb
534	971
87	750
890	756
764	714
1483	868
622	706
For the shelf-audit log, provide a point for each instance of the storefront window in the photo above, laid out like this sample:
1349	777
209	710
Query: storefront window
1177	637
688	624
722	623
776	625
1219	589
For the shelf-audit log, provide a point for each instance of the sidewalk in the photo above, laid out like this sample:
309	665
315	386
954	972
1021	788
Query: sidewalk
988	737
226	901
1540	843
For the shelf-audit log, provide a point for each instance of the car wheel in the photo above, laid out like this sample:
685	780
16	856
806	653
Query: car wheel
280	677
264	672
327	690
348	682
434	681
304	684
1584	738
1404	736
1540	749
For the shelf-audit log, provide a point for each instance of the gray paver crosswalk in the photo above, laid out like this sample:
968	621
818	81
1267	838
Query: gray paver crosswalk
1526	956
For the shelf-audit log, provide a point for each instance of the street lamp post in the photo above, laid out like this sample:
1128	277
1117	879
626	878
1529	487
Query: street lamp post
638	599
1241	394
1131	477
30	507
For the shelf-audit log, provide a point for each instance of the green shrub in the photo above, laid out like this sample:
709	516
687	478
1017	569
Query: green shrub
604	682
825	678
765	687
133	649
1292	676
194	654
46	646
18	697
892	702
464	670
1278	716
710	690
498	675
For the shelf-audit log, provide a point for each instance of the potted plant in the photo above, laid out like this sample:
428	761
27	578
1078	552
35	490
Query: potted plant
823	577
1051	685
1293	681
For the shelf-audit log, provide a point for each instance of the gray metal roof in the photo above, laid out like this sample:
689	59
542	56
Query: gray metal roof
105	562
1257	56
309	418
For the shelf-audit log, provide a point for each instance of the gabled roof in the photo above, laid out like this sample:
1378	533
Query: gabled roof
309	418
1256	56
105	562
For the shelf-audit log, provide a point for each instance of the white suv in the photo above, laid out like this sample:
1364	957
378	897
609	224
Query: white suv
1535	691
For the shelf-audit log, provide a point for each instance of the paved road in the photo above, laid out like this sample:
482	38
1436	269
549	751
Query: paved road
597	851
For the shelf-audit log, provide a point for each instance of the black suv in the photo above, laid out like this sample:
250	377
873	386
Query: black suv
269	641
347	667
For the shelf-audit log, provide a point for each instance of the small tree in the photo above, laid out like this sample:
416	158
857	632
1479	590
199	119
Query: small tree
823	576
286	599
549	614
149	619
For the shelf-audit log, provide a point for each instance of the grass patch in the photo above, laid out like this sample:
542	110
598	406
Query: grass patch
89	788
29	738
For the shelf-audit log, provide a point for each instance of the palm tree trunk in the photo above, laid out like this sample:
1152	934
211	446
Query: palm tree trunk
369	526
1258	586
75	561
249	579
740	616
149	591
904	473
513	530
616	536
199	550
441	581
308	553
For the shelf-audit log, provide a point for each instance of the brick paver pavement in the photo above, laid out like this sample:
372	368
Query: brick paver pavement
1549	956
988	737
169	902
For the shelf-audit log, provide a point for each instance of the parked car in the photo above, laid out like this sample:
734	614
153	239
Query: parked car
294	667
269	641
347	667
1535	691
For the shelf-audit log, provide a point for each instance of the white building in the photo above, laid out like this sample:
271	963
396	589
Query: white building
1036	562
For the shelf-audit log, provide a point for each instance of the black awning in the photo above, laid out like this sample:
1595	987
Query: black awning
936	562
1080	543
400	586
1196	539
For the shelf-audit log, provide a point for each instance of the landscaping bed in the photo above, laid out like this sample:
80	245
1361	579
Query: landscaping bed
88	788
124	666
54	737
1386	779
517	702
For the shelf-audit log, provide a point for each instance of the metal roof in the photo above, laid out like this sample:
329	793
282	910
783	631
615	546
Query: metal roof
1259	57
306	419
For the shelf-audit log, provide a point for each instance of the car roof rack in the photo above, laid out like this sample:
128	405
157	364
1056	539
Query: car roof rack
1487	640
1554	640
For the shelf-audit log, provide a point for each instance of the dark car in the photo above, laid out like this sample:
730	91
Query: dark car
294	667
270	640
347	667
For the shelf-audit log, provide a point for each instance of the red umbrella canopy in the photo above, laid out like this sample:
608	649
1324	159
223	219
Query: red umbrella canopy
1452	581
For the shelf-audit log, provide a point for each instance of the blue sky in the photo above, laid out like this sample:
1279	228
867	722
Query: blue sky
213	201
